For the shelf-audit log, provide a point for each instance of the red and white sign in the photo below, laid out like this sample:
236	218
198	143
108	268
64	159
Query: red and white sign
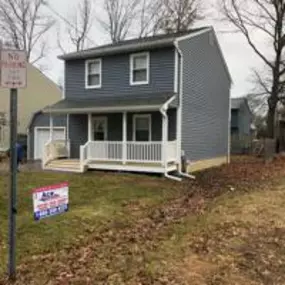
50	200
13	69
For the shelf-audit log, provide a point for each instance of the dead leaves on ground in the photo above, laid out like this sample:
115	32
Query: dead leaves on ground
121	254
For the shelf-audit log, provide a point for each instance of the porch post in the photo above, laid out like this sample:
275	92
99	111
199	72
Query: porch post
67	142
124	137
89	127
67	128
50	127
164	138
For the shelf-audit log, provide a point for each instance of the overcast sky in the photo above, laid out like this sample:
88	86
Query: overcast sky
239	56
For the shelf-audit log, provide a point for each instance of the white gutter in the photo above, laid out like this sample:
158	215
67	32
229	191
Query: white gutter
179	110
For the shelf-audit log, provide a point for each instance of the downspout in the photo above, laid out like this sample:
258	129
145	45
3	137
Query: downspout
163	111
179	125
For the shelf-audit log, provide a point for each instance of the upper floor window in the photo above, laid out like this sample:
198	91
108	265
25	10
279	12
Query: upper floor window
139	68
93	73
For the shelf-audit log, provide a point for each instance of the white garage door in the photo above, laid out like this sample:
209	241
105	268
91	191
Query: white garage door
42	137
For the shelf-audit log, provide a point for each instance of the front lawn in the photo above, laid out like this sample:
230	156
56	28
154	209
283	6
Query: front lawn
227	228
96	201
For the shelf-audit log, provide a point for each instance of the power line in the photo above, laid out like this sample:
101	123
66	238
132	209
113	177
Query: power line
66	21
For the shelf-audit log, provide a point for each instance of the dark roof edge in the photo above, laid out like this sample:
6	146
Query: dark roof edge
132	46
115	50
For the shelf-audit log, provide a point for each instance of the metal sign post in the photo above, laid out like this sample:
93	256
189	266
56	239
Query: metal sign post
13	184
13	76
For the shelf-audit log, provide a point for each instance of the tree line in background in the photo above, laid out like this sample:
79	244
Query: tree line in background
25	24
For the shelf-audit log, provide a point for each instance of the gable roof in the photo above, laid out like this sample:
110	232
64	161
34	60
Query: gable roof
131	45
237	103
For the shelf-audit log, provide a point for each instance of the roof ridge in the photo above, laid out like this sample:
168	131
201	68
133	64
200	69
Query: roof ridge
134	43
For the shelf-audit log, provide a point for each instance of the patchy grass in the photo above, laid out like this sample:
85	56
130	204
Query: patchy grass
96	200
226	228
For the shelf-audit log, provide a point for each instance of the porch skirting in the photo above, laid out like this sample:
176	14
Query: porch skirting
207	163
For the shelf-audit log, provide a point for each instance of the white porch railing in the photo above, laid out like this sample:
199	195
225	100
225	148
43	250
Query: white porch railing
144	152
135	152
105	151
55	149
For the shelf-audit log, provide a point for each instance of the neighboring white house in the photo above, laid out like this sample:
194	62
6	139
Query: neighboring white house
40	92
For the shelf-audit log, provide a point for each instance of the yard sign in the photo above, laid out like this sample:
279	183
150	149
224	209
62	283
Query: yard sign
13	69
50	200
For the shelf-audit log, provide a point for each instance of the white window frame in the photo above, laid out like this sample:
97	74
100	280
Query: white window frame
139	116
132	56
104	118
87	62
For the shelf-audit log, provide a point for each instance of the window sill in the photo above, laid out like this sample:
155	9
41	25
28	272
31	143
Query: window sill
93	87
139	83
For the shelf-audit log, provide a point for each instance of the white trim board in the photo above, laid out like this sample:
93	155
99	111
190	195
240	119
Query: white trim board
36	137
131	168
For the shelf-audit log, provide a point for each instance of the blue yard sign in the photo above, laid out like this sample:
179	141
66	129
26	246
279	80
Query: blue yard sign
50	200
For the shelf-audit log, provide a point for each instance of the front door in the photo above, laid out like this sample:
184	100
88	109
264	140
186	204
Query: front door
100	128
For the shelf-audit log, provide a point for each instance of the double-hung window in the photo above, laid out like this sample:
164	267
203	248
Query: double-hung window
139	68
142	127
93	73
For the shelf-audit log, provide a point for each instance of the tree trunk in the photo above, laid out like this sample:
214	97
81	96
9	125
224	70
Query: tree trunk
271	122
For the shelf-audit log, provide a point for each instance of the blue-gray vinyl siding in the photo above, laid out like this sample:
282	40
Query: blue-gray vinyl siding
245	117
206	94
78	133
116	76
42	120
241	121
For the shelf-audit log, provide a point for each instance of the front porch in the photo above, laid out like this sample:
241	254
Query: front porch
132	156
138	141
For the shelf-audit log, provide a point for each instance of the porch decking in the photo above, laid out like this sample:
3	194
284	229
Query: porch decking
151	157
73	165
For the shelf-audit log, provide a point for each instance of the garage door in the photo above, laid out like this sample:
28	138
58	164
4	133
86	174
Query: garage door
42	137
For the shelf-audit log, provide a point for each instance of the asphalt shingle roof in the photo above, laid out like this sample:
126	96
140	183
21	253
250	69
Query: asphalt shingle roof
153	99
131	45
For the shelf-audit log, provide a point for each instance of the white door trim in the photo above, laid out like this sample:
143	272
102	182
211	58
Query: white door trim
104	118
36	136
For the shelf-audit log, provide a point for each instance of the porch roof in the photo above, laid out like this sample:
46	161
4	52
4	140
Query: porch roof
142	102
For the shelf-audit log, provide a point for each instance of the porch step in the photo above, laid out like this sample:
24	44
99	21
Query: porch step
65	165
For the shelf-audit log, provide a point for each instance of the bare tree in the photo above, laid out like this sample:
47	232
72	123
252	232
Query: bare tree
179	15
265	17
79	27
149	17
120	16
24	26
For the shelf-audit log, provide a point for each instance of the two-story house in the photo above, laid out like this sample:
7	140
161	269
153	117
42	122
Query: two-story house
139	105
